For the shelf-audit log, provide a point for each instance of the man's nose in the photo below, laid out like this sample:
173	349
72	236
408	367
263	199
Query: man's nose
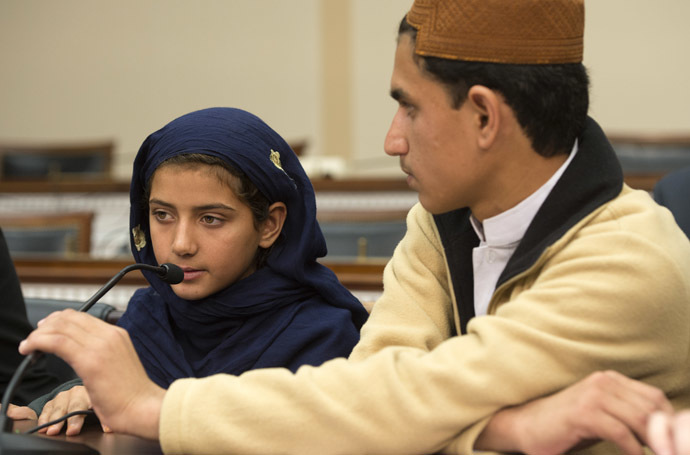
396	142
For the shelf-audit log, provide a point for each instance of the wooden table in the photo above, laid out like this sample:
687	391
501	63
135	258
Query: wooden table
106	443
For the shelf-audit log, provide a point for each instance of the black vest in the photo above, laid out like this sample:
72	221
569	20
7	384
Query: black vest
593	178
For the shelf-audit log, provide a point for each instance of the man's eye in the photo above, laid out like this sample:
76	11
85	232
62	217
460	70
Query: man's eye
407	107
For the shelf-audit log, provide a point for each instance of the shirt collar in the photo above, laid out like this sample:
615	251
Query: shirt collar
508	228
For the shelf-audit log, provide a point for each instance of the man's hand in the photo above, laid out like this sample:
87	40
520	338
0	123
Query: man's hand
604	405
122	395
669	434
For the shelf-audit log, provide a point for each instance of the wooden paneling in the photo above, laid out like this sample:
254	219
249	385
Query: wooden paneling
360	275
119	186
65	185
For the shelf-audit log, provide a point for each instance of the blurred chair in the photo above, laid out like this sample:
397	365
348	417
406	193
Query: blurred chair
362	234
299	147
56	162
673	192
37	309
51	234
647	158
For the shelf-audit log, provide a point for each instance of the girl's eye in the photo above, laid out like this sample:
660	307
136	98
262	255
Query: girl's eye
208	219
160	215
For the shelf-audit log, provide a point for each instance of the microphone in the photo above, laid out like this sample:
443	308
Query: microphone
19	443
170	273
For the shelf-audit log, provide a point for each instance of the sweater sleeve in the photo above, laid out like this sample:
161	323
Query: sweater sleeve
415	308
609	294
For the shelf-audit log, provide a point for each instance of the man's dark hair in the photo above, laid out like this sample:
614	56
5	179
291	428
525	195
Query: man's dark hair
549	101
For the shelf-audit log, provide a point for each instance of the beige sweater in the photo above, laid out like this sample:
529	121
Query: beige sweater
612	293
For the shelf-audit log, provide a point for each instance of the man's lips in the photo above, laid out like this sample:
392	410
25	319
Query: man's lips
410	177
405	169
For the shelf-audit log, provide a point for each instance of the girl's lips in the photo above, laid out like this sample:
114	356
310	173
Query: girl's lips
190	274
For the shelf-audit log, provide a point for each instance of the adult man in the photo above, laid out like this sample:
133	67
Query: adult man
527	265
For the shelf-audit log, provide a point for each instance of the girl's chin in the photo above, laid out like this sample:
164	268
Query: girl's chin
189	292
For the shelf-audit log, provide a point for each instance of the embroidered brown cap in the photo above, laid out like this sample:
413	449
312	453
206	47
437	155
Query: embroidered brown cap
501	31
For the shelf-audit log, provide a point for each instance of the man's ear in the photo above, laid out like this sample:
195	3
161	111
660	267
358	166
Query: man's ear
272	226
486	104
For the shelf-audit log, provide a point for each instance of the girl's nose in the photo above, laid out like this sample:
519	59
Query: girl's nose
184	243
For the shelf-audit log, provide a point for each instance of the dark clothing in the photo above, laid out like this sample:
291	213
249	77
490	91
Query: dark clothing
673	192
14	327
291	312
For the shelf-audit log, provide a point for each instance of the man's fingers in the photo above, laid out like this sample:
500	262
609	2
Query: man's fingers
622	407
610	428
633	411
57	334
659	434
681	431
656	400
65	333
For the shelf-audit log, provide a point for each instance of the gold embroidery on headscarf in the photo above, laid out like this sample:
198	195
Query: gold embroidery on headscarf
139	238
275	159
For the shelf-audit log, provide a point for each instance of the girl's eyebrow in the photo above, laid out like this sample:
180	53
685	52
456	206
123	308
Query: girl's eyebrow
216	206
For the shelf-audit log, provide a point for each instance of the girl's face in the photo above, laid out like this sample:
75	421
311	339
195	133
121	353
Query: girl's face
199	224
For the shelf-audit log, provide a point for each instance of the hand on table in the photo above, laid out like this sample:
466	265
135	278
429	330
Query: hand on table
120	392
15	412
74	399
604	405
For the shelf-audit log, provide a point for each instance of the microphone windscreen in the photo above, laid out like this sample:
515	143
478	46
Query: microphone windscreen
173	274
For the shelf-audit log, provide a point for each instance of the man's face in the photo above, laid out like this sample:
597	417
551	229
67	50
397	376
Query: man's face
434	141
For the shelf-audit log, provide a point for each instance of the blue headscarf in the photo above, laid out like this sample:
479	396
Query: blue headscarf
290	312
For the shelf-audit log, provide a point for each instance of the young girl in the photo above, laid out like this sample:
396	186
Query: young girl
220	194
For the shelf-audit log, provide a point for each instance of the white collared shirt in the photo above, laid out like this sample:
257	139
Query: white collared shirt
499	237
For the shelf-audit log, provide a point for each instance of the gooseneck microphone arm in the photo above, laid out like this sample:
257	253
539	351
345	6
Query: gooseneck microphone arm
9	442
170	273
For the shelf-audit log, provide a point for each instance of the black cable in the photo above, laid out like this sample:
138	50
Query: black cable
86	412
170	273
